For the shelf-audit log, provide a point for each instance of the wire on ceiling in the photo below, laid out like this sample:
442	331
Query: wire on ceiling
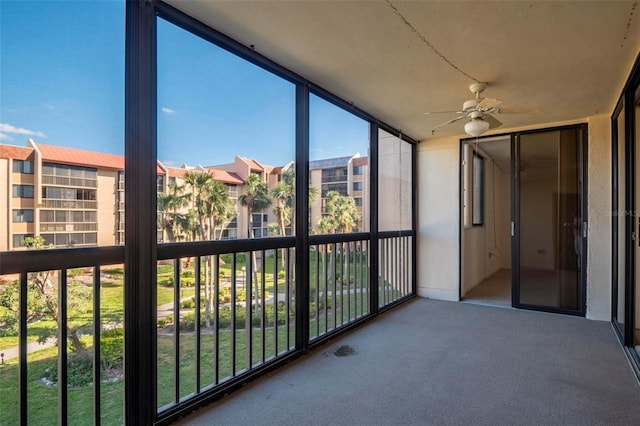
425	41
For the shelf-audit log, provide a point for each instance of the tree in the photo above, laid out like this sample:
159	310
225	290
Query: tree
255	198
340	216
44	302
212	209
170	217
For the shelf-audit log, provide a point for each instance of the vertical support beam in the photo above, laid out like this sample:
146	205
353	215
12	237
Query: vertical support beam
140	213
630	219
302	217
62	347
23	378
97	330
373	217
414	217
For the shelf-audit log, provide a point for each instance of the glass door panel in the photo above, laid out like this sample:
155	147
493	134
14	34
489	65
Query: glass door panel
620	217
550	220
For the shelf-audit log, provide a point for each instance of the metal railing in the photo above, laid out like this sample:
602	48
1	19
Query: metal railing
232	312
395	267
69	204
226	312
339	284
70	181
50	382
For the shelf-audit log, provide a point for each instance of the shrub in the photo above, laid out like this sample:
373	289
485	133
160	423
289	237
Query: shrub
112	349
188	304
165	281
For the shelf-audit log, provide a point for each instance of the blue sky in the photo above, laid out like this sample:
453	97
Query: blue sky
62	83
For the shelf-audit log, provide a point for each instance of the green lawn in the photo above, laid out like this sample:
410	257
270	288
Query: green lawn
340	309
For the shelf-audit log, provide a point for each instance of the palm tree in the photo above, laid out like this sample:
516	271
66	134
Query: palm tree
170	204
212	208
255	198
340	215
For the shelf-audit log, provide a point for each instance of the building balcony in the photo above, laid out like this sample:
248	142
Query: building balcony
225	312
70	181
70	204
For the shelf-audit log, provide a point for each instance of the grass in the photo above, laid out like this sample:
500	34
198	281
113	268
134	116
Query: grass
43	400
341	309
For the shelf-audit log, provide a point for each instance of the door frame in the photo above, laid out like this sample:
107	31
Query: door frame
582	129
582	133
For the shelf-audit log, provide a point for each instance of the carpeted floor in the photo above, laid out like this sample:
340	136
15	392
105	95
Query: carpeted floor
445	363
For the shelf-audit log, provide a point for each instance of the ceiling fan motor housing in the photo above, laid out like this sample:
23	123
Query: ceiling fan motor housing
471	104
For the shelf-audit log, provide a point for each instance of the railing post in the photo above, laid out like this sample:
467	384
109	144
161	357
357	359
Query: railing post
302	217
140	198
373	218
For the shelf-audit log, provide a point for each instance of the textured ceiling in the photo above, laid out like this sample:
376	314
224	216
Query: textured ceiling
566	60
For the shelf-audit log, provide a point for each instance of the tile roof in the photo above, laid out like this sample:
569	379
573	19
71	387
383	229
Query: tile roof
254	165
216	174
80	157
15	152
226	177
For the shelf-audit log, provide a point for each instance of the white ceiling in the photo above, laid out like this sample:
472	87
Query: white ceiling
566	59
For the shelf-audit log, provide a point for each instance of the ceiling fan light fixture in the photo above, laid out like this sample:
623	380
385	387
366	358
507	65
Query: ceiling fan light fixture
476	127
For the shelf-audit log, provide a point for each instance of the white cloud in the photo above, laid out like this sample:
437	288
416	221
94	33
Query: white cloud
8	128
168	110
5	137
48	106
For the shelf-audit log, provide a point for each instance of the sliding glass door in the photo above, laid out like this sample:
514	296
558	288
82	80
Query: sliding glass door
549	225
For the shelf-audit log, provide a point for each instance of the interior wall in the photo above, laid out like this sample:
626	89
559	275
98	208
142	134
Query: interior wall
485	247
599	219
439	217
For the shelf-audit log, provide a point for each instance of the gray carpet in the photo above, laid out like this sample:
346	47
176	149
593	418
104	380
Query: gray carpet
441	363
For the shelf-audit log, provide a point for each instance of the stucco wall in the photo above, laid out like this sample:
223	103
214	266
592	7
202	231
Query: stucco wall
438	218
599	207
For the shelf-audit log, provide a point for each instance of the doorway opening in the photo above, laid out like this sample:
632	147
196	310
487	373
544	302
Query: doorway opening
486	221
523	226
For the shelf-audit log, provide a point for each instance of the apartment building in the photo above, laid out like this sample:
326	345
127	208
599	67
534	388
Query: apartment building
346	175
68	196
74	197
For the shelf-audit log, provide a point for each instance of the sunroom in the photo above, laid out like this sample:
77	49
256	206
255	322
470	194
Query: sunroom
198	193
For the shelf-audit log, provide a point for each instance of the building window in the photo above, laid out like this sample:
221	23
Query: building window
23	166
71	239
357	186
18	239
478	190
359	170
334	175
160	183
358	201
22	191
23	215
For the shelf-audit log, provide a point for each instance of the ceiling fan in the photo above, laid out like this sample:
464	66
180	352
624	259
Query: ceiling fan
477	110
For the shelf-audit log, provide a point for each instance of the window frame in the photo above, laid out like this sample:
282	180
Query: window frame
477	205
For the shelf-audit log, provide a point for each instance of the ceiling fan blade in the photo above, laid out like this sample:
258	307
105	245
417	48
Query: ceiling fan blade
446	123
518	111
444	112
488	103
493	122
